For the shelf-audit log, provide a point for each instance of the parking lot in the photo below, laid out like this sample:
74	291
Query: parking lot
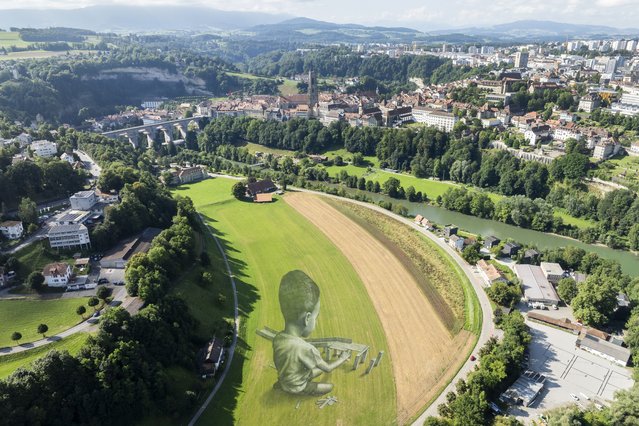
569	370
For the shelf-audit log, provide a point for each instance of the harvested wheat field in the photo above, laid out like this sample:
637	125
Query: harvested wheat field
424	353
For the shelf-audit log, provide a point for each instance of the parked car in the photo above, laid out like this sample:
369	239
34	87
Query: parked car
103	281
95	314
473	358
90	286
118	283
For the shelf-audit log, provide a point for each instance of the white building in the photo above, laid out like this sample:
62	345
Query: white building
634	148
536	286
442	120
68	158
602	348
564	133
44	148
605	150
11	229
67	236
57	274
552	271
73	217
83	200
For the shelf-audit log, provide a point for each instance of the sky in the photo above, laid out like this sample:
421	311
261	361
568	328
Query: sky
418	14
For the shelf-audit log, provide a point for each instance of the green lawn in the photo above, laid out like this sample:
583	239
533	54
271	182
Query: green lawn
10	363
35	256
431	188
348	156
263	243
24	316
574	221
288	87
253	148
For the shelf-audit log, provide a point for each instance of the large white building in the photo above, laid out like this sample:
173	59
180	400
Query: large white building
44	148
536	286
11	229
629	102
68	236
442	120
57	274
83	200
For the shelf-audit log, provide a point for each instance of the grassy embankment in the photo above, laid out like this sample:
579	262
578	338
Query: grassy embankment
264	242
10	363
440	278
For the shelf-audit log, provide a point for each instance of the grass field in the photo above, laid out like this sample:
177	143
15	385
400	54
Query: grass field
288	87
9	39
431	188
24	316
412	312
264	242
253	148
10	363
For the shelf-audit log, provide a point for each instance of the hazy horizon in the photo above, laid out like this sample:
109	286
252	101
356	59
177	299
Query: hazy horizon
421	15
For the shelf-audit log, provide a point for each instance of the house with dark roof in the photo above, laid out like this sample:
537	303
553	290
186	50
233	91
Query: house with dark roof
119	255
491	241
450	230
510	249
260	187
213	356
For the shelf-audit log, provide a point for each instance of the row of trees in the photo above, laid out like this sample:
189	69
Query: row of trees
499	366
148	274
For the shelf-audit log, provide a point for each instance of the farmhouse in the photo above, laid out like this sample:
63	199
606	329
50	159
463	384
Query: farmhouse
213	357
119	255
490	273
260	187
615	353
11	229
552	271
57	274
537	288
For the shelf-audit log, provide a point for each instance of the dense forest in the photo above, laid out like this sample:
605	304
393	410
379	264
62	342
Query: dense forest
343	62
71	89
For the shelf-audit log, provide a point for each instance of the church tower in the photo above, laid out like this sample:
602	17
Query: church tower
313	95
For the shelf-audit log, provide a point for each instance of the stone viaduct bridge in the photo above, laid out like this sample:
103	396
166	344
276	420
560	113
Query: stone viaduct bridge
150	130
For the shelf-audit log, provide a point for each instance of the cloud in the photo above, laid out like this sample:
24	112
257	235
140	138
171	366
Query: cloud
616	3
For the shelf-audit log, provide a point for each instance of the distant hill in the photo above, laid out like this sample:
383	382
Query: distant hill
137	18
543	30
305	29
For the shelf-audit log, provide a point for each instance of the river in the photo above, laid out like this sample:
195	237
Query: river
485	227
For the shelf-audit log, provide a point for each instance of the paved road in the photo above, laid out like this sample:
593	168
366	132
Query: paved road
231	351
91	166
121	298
